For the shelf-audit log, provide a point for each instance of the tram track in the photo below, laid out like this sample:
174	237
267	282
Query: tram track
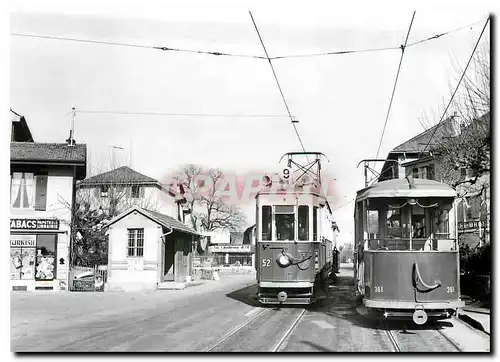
267	321
392	338
235	330
449	339
289	331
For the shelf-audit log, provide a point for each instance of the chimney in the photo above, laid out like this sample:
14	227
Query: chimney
71	141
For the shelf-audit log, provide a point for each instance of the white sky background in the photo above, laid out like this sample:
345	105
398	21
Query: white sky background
340	100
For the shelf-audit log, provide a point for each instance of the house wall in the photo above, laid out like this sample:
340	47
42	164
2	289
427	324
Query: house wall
59	197
133	273
153	199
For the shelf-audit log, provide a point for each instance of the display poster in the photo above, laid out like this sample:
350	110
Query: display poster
22	257
44	265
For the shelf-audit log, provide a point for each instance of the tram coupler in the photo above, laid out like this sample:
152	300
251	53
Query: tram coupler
419	316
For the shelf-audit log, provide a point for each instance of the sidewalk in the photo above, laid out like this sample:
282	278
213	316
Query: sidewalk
476	314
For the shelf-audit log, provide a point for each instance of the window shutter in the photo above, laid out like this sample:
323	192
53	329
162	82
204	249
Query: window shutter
41	192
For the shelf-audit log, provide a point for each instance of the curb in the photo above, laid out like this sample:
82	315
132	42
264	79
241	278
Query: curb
472	322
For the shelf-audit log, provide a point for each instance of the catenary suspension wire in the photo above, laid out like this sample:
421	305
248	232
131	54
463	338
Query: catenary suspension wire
395	83
340	52
277	82
182	114
163	48
456	89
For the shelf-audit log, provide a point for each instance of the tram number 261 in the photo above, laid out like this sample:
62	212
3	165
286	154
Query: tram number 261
266	262
378	289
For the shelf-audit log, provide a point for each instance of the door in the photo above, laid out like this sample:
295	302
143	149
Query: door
168	263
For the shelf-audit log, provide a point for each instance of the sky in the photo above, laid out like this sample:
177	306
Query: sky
340	101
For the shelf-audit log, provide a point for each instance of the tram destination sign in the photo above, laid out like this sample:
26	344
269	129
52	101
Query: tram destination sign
34	224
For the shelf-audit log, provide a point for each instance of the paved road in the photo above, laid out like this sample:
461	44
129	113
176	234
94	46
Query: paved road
218	316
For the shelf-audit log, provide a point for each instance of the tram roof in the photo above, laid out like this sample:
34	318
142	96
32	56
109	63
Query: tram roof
401	188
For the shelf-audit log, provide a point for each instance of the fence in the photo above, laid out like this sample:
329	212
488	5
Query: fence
87	279
207	267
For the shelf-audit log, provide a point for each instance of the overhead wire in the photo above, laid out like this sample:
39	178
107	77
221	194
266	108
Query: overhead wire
182	114
163	48
403	47
292	119
455	91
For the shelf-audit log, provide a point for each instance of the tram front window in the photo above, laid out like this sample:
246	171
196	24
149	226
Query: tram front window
267	223
285	222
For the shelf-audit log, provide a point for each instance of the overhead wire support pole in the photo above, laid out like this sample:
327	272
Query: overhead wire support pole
292	119
456	89
403	47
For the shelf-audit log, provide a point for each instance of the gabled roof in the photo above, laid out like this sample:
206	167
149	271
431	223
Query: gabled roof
417	143
161	219
20	130
121	175
48	152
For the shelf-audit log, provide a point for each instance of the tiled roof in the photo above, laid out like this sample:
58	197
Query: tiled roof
48	152
170	222
417	143
159	218
124	175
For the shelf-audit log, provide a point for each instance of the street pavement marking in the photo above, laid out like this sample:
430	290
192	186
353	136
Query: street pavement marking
253	311
323	324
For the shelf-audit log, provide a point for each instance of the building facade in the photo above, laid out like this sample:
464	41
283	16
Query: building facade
473	203
122	188
148	250
42	190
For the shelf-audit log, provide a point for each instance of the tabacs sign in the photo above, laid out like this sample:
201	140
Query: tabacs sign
34	224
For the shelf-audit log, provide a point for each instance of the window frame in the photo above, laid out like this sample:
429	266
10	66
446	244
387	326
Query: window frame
305	230
135	247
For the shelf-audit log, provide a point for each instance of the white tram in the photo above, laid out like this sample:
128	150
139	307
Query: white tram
295	234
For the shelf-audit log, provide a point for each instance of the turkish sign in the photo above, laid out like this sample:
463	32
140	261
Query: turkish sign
31	224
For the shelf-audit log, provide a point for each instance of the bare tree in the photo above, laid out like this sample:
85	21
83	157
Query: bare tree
466	157
209	207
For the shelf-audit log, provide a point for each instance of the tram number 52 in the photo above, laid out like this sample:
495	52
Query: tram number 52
379	289
266	262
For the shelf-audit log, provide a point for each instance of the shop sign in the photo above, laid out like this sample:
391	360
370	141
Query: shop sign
468	225
230	248
34	224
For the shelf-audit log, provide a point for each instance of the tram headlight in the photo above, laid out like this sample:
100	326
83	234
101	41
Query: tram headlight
283	261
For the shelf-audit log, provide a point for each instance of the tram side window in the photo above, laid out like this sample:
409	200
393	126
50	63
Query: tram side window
267	229
303	222
394	223
285	222
442	224
418	222
373	224
315	223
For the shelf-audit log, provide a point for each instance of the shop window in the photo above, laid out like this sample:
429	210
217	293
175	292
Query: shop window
415	172
431	173
135	242
303	222
22	257
315	223
267	233
46	261
137	191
